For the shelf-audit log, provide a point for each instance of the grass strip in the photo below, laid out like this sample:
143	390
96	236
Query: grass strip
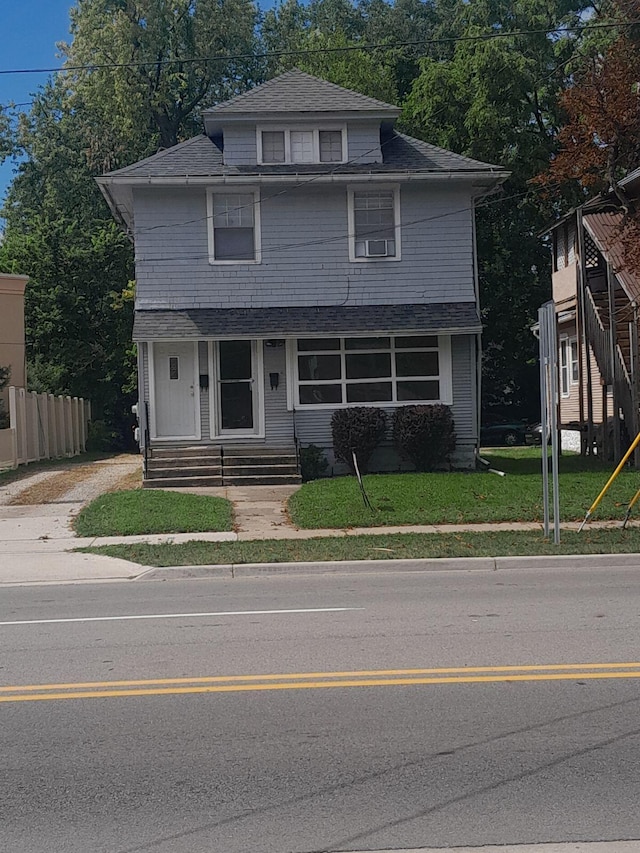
378	547
128	513
462	498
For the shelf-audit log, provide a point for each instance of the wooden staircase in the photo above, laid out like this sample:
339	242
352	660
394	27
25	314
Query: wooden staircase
179	466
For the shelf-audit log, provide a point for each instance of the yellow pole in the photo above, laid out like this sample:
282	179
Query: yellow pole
632	503
594	505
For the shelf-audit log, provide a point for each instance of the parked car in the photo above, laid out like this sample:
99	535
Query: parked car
510	433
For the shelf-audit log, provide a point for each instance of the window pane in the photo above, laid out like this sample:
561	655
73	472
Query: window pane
374	224
408	390
236	402
373	200
315	395
330	146
235	359
302	146
369	392
367	343
574	361
365	365
316	344
417	363
273	146
233	244
173	367
233	210
318	367
417	341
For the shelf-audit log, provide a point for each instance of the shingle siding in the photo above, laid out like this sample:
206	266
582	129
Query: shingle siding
304	251
240	145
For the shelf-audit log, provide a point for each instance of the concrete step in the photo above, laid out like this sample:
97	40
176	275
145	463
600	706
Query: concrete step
257	450
259	470
183	462
180	452
185	472
263	480
258	459
182	482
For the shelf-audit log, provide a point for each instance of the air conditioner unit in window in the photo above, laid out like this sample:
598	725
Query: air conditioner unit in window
376	248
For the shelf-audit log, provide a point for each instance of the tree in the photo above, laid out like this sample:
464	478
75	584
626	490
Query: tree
497	100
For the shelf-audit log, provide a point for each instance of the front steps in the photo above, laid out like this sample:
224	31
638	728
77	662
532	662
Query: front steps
218	465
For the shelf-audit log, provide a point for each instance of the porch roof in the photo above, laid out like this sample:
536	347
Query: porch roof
291	322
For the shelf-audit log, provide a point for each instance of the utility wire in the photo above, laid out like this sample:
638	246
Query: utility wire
98	66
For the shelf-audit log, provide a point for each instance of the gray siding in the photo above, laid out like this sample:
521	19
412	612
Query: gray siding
304	251
203	370
363	142
315	427
240	147
278	421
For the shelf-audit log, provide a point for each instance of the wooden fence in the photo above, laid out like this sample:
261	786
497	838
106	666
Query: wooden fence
42	426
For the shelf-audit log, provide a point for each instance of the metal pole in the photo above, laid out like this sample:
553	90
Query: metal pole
542	344
553	407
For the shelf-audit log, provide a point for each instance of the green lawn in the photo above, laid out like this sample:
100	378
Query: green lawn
381	547
460	497
152	511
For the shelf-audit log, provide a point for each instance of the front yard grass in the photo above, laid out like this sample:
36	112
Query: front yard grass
127	513
378	547
461	497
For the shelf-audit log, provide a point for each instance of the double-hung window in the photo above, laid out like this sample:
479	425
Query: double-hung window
301	145
233	227
383	370
374	224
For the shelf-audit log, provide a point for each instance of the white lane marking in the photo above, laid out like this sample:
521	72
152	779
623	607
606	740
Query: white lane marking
179	615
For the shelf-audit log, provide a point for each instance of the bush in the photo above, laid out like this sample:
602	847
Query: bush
100	437
424	434
358	430
313	463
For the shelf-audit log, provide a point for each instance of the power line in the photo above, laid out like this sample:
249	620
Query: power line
99	66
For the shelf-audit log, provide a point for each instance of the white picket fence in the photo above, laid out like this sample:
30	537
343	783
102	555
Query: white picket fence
43	426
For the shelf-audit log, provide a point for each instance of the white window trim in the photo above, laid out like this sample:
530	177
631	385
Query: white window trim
351	222
287	143
572	361
444	362
564	365
257	235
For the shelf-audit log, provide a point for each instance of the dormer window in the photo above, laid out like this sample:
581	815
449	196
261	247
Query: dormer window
301	145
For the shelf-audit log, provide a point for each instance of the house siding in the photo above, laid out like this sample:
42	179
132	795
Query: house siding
363	141
240	145
304	252
278	421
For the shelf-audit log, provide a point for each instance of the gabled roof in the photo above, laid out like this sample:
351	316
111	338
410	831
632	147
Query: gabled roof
295	91
201	157
605	229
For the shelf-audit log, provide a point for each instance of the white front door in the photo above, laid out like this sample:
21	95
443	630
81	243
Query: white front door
175	407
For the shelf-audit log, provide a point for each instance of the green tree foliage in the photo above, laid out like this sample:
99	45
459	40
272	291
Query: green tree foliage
497	100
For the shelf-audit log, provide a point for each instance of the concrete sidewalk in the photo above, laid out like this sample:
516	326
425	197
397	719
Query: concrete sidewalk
37	542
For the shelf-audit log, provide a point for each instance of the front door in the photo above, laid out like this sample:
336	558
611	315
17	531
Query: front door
238	396
175	402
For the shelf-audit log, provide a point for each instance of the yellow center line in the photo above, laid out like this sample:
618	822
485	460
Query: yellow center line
314	685
366	673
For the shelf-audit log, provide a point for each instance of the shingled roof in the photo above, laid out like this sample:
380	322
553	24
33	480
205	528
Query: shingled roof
295	91
201	157
297	321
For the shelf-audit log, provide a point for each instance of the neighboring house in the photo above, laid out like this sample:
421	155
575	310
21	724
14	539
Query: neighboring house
12	351
300	256
597	358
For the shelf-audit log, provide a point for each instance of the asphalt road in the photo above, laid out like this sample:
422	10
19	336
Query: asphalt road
513	729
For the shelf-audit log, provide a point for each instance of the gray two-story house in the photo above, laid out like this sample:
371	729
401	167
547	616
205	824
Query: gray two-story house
298	257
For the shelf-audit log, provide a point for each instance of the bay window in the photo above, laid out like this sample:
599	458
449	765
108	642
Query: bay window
379	370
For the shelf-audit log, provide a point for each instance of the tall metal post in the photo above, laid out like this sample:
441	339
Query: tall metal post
549	413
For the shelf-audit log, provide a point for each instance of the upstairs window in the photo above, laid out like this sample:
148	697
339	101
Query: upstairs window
233	232
374	224
300	145
564	246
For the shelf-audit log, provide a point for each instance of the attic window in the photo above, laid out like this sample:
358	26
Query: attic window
302	145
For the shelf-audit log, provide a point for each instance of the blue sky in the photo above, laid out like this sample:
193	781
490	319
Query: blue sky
30	31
